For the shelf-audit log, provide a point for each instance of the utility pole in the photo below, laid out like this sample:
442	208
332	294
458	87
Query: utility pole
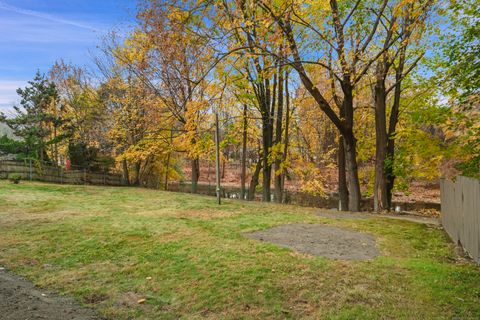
217	157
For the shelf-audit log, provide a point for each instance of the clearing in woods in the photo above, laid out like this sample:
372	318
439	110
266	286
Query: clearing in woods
138	253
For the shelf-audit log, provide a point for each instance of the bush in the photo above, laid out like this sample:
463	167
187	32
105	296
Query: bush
14	178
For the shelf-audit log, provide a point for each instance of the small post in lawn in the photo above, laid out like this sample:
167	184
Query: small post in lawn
217	157
30	169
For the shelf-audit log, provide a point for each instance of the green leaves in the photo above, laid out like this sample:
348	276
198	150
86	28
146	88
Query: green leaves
35	121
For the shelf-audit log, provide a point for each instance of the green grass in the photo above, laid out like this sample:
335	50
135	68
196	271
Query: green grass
110	247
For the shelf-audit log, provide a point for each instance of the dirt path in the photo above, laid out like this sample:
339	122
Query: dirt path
21	300
405	217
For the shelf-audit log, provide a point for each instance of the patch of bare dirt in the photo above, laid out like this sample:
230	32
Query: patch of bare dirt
21	300
321	240
419	191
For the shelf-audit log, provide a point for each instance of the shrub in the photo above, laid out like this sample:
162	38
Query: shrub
14	178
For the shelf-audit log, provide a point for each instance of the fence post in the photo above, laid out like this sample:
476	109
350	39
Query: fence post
85	176
30	169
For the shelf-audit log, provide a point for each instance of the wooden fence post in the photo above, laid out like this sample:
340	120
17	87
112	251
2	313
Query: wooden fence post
30	169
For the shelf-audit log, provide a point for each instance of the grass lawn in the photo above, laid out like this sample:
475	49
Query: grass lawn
109	247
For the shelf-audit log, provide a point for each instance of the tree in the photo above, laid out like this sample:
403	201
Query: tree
36	119
408	22
84	114
128	102
173	64
459	74
260	71
347	31
10	146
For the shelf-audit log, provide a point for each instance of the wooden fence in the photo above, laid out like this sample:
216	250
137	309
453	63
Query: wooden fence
48	173
461	213
55	174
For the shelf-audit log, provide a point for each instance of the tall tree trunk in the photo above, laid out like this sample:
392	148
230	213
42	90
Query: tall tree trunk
287	128
342	169
254	181
137	173
392	126
195	174
267	107
349	142
354	195
243	175
342	177
380	187
390	175
167	165
278	140
267	167
125	172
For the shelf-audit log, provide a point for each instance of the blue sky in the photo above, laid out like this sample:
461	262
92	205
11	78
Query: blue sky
36	33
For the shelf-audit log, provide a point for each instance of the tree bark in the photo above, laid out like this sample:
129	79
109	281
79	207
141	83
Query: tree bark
243	175
254	181
267	167
392	126
349	142
287	128
195	174
354	195
125	172
278	140
342	170
137	173
342	177
167	169
380	201
167	166
389	173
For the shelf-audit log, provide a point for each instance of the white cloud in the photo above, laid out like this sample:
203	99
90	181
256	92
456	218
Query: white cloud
8	93
45	16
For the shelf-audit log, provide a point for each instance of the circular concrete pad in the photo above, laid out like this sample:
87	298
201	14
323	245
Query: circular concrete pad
321	240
